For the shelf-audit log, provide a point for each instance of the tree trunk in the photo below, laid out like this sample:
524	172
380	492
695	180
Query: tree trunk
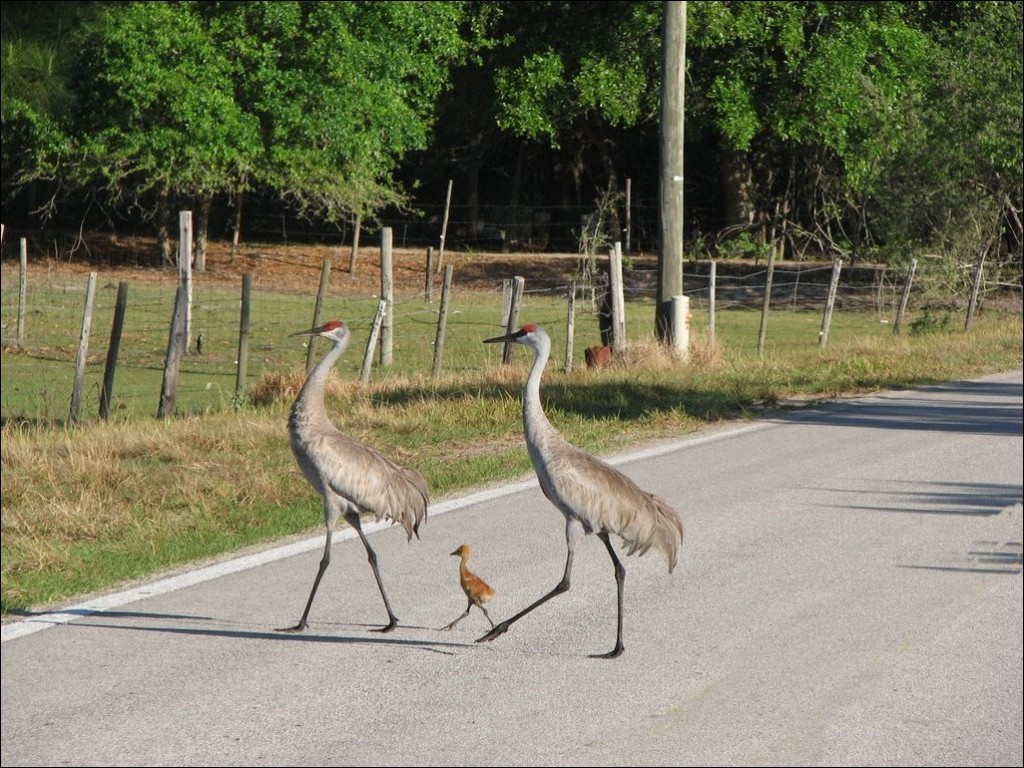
163	231
202	232
469	186
238	222
737	189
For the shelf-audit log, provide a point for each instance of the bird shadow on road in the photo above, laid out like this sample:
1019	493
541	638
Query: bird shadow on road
439	646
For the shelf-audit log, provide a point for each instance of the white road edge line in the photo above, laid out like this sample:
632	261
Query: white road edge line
180	581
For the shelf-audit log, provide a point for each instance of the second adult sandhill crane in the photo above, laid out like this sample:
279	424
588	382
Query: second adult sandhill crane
477	590
351	477
593	496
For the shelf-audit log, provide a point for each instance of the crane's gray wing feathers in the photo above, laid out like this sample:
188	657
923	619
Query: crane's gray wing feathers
373	482
605	499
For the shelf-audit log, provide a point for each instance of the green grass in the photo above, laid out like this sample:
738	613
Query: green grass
91	507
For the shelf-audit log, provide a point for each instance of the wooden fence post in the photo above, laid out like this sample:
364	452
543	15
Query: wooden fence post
83	349
117	329
712	292
898	325
371	343
618	296
22	289
570	327
387	294
442	320
175	348
762	332
444	225
243	337
428	287
513	316
506	300
318	309
830	302
979	272
185	269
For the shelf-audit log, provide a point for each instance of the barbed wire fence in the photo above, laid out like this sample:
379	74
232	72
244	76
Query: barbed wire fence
42	327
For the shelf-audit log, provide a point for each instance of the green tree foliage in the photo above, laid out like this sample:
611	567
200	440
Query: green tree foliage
814	98
38	57
571	62
842	128
158	113
341	92
822	111
318	101
956	185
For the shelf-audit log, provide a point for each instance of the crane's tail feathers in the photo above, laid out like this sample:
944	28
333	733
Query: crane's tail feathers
662	529
416	511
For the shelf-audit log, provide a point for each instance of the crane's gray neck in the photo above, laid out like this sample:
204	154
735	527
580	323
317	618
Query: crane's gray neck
534	419
311	397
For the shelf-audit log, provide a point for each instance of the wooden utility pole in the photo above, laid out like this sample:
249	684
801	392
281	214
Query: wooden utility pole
670	236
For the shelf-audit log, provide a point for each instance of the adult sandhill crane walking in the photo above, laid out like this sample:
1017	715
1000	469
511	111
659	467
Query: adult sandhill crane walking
477	590
593	497
350	476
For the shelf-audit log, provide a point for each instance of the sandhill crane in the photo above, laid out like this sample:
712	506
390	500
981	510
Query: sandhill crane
593	497
350	476
477	590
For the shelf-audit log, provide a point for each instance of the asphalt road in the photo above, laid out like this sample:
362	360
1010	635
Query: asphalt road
849	593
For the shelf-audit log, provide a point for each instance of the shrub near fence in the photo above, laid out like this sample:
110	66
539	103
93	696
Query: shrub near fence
39	373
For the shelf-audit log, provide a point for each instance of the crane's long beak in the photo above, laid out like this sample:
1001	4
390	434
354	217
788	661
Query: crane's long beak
310	332
514	336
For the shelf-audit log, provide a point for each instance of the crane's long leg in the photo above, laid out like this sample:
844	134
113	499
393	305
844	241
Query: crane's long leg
464	615
562	586
352	518
324	562
620	581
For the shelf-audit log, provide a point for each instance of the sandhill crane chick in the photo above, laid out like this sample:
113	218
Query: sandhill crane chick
477	590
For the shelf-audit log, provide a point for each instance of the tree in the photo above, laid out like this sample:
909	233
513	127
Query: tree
158	122
38	58
340	91
956	185
807	102
318	101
